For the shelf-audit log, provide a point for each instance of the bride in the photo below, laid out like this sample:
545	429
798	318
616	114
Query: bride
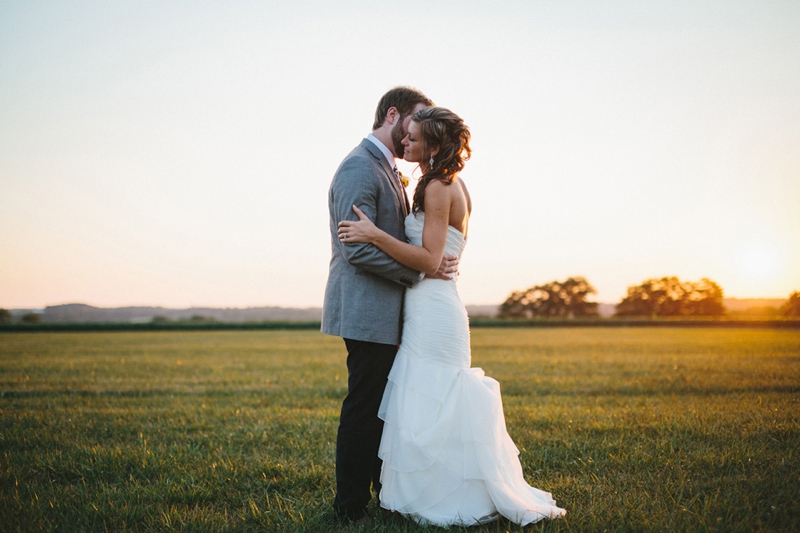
447	457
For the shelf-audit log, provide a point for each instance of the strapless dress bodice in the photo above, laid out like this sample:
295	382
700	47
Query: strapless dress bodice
415	222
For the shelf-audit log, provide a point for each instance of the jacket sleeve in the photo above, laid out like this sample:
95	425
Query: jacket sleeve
355	184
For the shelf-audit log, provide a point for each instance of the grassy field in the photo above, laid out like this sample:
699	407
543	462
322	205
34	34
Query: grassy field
631	429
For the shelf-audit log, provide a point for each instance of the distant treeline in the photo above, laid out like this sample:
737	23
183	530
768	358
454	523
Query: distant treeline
653	298
615	322
475	323
82	313
555	302
154	326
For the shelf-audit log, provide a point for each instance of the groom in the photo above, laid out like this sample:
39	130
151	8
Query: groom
364	294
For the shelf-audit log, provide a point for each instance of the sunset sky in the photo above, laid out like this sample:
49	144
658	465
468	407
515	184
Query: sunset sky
179	153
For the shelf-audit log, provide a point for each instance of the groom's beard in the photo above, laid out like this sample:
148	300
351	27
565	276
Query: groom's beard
398	134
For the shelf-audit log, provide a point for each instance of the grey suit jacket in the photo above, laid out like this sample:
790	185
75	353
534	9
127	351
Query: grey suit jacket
364	294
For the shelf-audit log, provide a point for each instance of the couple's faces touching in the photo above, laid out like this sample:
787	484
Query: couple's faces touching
412	144
412	147
400	130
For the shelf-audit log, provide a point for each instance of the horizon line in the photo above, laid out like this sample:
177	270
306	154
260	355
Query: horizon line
319	306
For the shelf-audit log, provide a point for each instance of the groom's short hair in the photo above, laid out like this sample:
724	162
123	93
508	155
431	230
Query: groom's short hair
404	99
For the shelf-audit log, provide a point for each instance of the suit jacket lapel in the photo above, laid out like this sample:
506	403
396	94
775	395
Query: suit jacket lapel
396	185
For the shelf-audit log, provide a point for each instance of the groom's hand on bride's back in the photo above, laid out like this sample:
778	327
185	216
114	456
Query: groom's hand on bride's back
448	268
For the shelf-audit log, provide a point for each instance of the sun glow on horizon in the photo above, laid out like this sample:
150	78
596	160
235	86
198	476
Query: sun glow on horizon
760	261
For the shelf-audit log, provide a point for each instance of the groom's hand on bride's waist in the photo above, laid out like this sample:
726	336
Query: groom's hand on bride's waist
448	268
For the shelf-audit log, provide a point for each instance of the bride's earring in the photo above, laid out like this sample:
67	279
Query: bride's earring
431	162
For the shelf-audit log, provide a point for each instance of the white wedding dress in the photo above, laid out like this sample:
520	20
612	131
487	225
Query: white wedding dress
447	457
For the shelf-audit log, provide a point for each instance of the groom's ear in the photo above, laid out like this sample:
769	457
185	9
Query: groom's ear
392	116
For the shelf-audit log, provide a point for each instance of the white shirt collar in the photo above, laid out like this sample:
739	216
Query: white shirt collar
382	147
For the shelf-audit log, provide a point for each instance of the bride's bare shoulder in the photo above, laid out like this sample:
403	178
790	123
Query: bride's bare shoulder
455	193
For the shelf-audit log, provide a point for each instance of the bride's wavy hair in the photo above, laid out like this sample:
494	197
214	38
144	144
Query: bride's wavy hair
443	128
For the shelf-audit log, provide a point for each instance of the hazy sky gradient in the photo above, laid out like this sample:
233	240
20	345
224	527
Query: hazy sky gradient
179	153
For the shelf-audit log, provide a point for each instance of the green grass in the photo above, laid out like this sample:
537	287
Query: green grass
631	429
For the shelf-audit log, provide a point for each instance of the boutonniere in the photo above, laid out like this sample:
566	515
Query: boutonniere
403	179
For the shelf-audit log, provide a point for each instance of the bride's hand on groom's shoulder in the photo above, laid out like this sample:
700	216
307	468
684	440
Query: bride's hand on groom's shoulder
361	230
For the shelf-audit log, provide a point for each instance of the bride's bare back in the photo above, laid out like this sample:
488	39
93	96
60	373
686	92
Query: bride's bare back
460	206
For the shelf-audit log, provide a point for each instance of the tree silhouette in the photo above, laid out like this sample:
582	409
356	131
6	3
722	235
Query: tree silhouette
31	318
703	298
669	296
5	316
792	306
559	299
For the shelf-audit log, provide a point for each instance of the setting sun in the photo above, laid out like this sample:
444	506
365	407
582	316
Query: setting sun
760	261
